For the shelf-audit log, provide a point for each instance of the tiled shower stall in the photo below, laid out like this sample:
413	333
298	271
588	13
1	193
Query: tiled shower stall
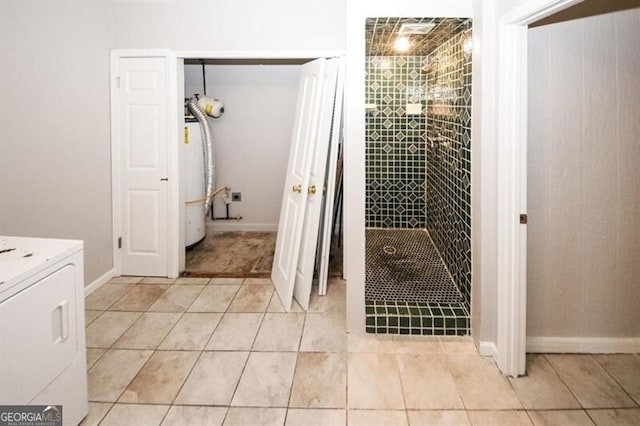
418	178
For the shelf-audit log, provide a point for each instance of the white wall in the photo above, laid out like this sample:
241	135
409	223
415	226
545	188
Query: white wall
252	138
54	124
231	24
584	177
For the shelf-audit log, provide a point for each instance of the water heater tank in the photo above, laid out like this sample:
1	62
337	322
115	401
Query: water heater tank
195	182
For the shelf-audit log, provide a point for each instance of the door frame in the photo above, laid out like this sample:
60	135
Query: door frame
176	123
498	239
116	152
175	86
512	88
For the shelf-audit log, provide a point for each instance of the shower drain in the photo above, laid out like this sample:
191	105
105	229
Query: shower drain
389	249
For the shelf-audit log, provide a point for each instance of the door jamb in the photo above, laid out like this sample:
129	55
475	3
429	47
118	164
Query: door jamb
512	179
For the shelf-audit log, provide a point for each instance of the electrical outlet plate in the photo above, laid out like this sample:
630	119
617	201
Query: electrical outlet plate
236	196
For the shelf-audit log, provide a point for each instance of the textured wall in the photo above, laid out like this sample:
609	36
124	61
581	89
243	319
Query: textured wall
584	178
448	152
395	144
55	155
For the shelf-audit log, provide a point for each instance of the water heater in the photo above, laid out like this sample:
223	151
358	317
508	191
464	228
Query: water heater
194	181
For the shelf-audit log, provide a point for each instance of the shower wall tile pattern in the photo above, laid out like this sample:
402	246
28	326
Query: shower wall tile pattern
395	142
448	153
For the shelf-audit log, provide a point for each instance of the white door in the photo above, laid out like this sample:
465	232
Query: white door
326	116
326	227
296	184
142	126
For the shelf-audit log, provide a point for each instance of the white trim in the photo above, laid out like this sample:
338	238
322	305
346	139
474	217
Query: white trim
512	193
512	179
589	345
536	10
257	54
175	227
98	282
234	225
115	164
488	349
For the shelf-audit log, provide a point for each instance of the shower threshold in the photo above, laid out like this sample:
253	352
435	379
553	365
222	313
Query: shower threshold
408	289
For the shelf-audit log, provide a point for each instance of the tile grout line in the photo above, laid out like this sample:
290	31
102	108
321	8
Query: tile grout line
153	351
564	382
455	382
575	396
404	400
617	382
113	404
199	355
295	368
246	361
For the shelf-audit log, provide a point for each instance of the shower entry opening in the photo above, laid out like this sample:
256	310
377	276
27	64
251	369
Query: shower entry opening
418	176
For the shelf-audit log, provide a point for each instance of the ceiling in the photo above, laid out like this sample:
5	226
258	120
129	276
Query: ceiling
381	33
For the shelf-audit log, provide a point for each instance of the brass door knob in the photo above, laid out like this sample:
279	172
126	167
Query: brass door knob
312	189
297	188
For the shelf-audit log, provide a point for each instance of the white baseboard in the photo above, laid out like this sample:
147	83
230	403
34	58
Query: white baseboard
488	349
97	283
589	345
235	225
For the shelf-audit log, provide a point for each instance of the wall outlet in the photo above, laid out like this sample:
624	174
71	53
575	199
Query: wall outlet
236	196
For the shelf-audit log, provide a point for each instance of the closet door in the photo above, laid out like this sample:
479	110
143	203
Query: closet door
141	122
326	223
297	180
328	113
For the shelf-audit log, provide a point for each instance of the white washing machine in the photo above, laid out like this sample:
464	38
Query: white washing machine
194	181
42	335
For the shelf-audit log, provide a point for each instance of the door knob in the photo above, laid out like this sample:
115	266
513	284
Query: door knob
164	179
297	188
312	189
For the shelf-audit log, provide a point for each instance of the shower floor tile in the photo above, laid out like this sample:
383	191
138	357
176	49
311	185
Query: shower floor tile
408	289
403	265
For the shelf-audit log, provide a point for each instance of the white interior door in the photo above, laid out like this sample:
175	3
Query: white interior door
326	228
331	91
297	181
142	126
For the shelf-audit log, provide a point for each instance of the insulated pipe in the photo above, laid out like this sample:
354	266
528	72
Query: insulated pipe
209	153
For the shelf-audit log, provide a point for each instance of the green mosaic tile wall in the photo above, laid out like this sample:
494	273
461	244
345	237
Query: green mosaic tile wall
395	143
448	153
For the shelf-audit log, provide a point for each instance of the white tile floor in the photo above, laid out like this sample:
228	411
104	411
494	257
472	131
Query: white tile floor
222	351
